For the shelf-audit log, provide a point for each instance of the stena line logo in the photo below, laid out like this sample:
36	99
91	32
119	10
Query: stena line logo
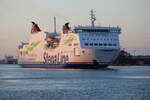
55	59
33	45
70	40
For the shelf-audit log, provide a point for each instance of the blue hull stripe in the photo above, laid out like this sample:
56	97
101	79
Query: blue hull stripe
78	66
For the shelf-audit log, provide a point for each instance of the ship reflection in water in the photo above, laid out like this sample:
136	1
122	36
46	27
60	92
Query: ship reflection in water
124	83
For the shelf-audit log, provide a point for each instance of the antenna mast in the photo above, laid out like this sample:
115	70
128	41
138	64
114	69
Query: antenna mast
54	24
93	18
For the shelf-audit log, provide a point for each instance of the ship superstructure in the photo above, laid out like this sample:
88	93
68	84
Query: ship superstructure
81	47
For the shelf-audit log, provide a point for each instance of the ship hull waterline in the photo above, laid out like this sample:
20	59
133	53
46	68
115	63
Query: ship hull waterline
66	66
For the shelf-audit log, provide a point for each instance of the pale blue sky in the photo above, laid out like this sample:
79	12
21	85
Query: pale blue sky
133	16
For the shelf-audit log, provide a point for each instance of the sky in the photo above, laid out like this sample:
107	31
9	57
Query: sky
133	16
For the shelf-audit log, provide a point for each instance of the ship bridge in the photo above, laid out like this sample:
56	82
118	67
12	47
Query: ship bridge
106	38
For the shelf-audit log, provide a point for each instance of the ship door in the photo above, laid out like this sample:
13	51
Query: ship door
76	51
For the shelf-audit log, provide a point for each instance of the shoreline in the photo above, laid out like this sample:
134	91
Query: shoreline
130	65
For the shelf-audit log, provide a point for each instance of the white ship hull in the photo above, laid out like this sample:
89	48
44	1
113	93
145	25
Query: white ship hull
65	56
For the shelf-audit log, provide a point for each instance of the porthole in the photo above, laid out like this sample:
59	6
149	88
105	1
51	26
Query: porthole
69	44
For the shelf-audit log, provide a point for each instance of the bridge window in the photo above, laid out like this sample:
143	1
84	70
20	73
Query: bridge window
105	44
110	44
114	44
86	44
95	44
100	44
91	44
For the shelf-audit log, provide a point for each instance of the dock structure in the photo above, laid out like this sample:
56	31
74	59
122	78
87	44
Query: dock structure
10	60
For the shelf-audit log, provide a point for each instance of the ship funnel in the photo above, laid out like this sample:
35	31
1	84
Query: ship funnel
66	28
35	28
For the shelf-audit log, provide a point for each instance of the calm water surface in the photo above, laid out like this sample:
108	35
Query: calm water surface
122	83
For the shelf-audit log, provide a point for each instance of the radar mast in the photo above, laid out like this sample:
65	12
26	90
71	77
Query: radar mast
93	18
54	24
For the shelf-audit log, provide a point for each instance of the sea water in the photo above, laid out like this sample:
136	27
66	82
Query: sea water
121	83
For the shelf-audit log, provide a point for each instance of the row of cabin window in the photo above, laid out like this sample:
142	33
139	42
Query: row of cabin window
103	30
75	44
100	39
99	44
100	35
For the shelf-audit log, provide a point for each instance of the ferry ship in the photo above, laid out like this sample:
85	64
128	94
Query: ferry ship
84	47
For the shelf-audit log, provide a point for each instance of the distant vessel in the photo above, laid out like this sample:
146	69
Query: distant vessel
90	47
